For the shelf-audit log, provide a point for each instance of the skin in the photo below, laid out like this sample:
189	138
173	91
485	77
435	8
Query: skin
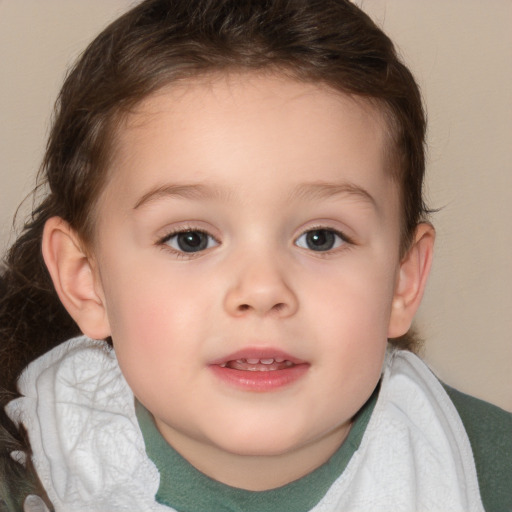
256	162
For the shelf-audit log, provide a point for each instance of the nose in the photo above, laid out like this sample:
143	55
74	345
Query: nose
259	287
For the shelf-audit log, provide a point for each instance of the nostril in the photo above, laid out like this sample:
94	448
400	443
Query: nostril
280	306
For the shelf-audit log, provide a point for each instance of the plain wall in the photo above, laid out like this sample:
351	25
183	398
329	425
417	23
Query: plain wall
461	53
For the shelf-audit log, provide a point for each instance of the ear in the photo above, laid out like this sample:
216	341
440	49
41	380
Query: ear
411	280
74	278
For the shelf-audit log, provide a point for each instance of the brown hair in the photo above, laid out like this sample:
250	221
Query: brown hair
161	41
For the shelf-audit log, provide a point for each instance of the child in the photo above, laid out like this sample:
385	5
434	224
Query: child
234	244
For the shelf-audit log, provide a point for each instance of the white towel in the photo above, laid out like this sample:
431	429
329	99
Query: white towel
90	456
415	454
88	450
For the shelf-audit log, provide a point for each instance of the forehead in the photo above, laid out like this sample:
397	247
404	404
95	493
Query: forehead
229	126
234	97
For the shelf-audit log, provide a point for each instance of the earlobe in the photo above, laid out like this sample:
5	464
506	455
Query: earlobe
411	280
74	279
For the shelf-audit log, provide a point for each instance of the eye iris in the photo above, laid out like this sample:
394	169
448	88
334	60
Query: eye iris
192	241
320	240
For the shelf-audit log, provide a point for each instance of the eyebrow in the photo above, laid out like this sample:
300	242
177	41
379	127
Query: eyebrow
312	190
326	190
185	191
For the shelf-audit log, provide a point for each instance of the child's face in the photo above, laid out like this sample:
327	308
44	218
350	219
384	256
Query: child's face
292	255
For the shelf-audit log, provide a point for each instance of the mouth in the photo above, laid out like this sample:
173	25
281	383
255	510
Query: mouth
258	365
259	371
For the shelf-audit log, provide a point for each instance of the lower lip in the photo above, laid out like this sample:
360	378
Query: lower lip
260	381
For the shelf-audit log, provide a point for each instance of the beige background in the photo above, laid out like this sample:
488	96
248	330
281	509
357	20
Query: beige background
461	53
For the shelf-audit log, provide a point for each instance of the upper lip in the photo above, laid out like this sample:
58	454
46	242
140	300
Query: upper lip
258	353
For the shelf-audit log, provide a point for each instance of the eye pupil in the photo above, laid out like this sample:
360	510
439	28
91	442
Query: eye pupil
320	240
192	241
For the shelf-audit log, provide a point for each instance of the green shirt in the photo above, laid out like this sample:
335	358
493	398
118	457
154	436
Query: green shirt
185	489
489	429
188	490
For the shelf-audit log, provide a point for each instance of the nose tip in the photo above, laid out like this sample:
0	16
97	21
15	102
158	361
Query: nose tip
261	291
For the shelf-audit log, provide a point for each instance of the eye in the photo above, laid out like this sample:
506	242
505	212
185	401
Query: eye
189	241
321	240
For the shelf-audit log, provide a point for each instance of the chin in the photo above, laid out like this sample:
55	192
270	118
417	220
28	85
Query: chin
264	444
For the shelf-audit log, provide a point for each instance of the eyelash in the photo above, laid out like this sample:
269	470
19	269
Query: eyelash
163	242
344	240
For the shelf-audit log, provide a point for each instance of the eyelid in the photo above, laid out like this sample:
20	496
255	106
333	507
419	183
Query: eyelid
327	227
162	241
345	239
184	226
175	232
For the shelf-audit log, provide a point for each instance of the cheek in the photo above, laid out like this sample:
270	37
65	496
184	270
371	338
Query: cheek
154	318
356	295
148	338
147	297
352	311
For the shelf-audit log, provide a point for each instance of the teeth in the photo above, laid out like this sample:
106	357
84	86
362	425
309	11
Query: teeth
254	362
259	361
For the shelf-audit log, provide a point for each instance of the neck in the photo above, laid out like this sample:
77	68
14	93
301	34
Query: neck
256	472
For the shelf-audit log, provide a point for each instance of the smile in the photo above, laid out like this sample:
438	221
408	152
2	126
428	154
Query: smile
258	365
259	371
